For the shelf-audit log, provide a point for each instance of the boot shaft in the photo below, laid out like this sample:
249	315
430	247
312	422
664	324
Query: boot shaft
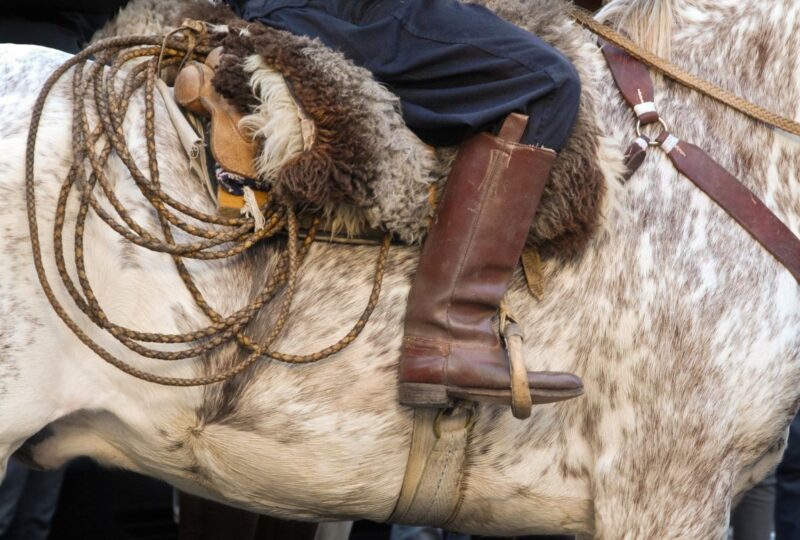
476	239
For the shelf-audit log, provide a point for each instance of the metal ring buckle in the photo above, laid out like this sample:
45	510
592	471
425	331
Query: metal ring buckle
653	142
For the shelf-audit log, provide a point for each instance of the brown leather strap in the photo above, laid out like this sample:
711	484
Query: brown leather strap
513	127
635	154
739	202
633	80
636	86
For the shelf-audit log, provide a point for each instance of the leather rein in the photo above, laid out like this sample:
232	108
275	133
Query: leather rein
627	64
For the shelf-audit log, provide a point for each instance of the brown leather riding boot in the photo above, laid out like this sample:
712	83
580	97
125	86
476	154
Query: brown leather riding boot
451	349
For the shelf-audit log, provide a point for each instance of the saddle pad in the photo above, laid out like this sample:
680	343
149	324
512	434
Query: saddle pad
341	145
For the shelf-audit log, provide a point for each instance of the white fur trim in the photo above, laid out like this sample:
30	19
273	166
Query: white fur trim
276	119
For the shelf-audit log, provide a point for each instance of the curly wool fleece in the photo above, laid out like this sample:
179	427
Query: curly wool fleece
363	166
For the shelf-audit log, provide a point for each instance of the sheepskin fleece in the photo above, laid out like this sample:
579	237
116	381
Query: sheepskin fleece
146	17
366	167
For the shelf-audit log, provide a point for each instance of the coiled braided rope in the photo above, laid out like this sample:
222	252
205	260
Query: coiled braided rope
97	80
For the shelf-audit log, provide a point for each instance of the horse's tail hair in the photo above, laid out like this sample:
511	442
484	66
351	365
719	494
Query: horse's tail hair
647	22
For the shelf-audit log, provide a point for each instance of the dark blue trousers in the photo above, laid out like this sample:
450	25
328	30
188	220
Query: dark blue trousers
457	68
28	500
67	25
787	502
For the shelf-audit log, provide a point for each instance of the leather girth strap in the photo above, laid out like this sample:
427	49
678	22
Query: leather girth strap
636	86
432	485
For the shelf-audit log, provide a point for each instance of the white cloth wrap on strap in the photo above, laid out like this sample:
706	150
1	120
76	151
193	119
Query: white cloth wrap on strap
641	143
644	108
670	143
431	491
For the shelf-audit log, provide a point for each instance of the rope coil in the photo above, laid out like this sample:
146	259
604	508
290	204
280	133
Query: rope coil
237	233
223	238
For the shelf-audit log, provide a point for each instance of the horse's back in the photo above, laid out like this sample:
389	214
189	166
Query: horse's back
23	70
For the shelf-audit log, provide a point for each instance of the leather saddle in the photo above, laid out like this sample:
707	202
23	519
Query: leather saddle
234	150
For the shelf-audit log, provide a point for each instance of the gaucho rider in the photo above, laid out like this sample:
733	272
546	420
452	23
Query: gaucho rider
459	71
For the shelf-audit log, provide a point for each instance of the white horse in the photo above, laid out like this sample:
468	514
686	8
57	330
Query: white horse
685	332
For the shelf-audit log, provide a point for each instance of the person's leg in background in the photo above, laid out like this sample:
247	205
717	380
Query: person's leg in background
753	517
10	492
787	496
28	500
410	532
203	519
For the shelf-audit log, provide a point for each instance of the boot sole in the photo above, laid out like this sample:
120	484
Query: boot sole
441	396
424	395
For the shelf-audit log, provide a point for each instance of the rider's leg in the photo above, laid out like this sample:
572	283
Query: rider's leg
450	348
459	70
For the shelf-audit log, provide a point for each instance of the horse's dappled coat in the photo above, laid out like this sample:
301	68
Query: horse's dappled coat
685	332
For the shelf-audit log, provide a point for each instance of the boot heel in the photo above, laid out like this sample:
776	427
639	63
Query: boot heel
424	395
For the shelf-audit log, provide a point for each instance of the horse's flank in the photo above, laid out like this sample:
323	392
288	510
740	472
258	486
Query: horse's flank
685	332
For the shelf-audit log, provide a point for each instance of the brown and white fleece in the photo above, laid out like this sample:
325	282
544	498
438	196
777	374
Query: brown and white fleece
353	156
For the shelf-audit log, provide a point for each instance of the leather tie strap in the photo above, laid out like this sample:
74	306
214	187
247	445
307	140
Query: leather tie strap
513	127
636	86
633	80
739	202
635	154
